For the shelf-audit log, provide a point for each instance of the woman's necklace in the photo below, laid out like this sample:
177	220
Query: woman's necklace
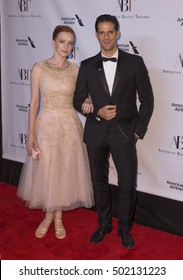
57	69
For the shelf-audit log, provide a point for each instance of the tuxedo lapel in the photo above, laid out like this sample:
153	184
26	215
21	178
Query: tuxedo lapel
119	70
101	75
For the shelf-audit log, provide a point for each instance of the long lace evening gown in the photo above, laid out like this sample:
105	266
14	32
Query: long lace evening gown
60	180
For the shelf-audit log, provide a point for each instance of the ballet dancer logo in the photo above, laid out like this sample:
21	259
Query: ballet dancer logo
31	42
134	48
79	20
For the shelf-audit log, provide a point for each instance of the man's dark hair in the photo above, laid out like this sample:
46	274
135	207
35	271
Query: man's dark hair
108	18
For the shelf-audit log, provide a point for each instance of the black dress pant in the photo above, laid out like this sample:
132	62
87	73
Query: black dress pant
123	151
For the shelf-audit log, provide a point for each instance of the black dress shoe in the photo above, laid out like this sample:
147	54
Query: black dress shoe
99	234
126	239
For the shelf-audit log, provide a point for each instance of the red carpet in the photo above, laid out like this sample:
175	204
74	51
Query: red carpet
18	242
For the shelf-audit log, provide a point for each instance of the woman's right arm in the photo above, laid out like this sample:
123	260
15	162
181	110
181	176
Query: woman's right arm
33	110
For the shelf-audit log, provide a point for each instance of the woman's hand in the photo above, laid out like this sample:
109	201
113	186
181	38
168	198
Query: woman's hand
31	142
87	106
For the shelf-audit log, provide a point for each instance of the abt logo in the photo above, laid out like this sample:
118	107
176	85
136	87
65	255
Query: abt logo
23	138
23	5
125	5
177	142
179	61
24	74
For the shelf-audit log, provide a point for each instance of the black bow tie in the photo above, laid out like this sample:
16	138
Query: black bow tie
113	59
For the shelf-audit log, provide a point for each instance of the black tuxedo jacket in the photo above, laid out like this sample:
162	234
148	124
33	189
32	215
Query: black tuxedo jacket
132	94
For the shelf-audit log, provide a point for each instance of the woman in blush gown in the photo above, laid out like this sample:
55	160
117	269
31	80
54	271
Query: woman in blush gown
56	175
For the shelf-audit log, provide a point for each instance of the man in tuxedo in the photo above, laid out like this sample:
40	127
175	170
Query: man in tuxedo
114	80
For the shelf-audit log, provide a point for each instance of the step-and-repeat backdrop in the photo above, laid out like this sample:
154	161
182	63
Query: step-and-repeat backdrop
152	29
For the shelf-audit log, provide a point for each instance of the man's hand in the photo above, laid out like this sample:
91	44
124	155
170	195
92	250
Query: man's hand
107	112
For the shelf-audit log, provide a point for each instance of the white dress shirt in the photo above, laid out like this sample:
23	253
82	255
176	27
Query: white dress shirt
110	70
